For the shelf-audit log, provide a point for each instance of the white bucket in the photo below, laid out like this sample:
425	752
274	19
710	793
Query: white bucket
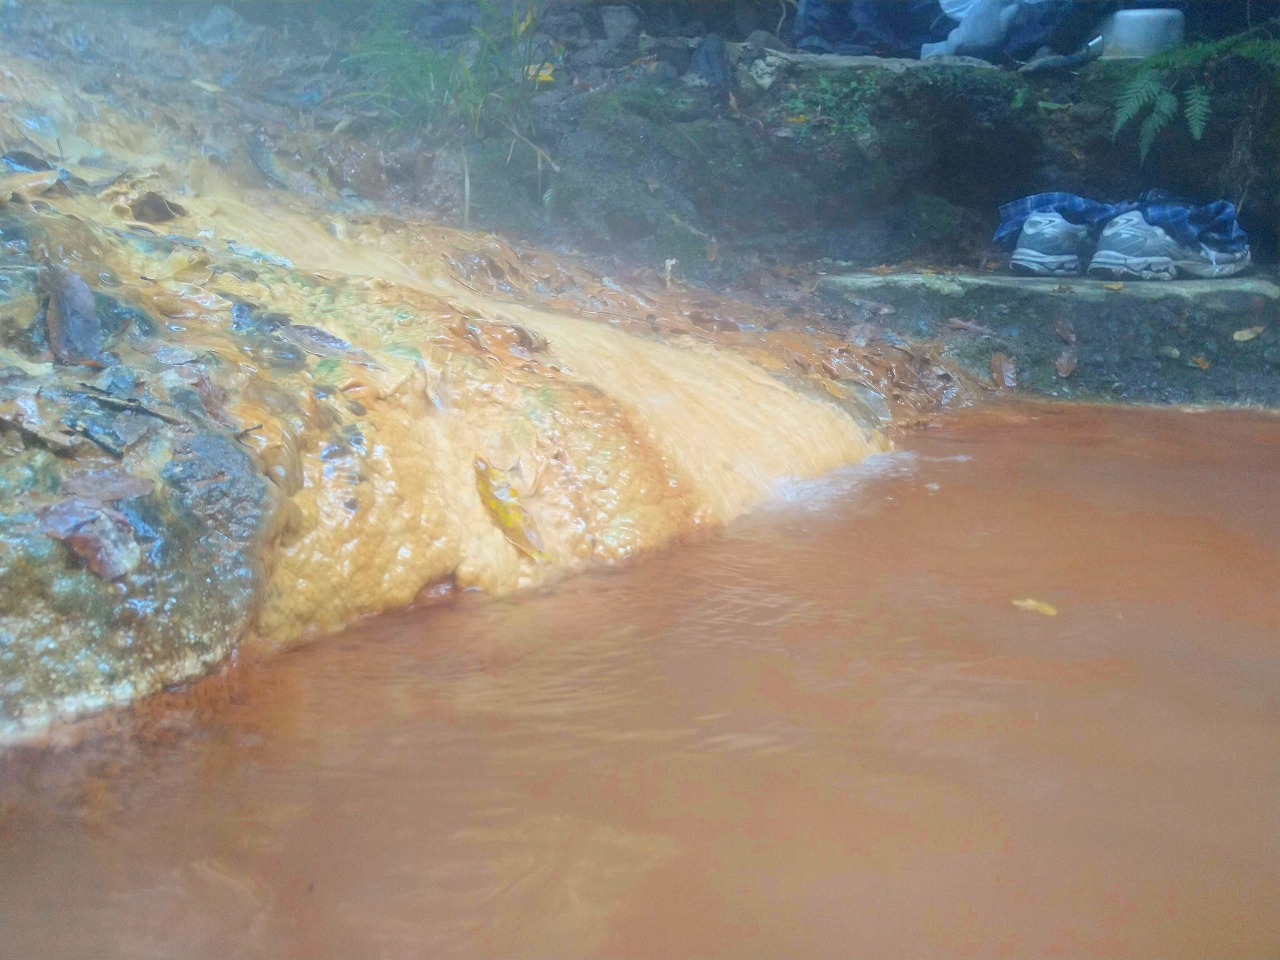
1141	33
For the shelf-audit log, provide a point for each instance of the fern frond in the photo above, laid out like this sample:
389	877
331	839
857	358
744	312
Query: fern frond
1196	107
1166	107
1266	52
1143	89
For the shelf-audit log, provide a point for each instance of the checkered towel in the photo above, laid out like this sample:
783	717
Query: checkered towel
1213	224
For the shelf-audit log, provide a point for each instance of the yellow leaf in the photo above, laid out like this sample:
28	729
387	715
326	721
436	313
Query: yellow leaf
206	86
540	74
798	118
831	388
1113	286
1248	333
1036	606
528	19
507	511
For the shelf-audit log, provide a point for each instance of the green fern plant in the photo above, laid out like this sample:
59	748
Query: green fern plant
1156	92
1178	83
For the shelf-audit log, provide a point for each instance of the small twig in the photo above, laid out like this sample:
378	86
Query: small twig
86	431
126	403
241	435
542	154
466	190
782	19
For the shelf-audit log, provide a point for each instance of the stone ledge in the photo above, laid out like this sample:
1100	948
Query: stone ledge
1181	341
1210	294
796	62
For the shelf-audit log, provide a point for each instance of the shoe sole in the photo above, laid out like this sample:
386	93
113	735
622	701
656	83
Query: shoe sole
1210	271
1035	264
1107	265
1113	266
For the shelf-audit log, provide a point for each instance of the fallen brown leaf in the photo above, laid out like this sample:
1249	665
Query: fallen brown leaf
97	534
1065	364
959	323
1066	332
106	485
1003	371
1200	362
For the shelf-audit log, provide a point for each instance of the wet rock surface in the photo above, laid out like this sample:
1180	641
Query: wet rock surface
130	527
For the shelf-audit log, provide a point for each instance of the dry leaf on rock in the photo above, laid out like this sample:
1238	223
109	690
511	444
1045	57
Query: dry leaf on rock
504	506
75	332
1003	371
106	485
97	534
151	207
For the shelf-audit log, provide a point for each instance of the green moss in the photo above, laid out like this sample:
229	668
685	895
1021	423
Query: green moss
842	106
942	222
677	242
643	103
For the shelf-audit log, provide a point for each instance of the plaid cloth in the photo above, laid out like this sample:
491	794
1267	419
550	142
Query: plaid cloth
1213	224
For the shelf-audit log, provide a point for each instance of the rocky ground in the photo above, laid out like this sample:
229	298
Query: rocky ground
685	141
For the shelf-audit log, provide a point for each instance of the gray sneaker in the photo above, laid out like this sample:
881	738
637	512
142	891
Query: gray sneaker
1049	246
1131	248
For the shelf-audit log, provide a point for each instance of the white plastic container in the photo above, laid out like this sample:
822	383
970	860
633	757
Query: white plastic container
1141	33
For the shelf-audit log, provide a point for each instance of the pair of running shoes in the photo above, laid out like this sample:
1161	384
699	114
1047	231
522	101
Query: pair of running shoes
1128	248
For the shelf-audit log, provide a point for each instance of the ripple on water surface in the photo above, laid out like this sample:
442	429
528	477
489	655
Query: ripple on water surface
827	732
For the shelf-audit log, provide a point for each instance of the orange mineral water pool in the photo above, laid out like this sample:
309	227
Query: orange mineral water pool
1010	691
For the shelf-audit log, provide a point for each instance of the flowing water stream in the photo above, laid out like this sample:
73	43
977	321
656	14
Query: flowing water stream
828	732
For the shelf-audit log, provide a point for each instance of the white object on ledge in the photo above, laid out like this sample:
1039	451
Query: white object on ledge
1141	33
